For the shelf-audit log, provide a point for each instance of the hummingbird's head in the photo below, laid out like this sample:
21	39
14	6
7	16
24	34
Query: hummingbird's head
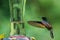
44	18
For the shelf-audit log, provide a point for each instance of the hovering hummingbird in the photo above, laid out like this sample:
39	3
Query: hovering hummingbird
43	24
48	26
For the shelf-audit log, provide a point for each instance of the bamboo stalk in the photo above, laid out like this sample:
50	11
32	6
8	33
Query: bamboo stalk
22	28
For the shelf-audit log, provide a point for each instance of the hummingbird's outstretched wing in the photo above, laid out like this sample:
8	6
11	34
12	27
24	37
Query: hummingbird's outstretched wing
36	24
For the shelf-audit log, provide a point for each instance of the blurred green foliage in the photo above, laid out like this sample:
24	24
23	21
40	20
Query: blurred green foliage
35	9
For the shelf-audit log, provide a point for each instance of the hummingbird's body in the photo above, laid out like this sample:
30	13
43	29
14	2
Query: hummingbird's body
47	25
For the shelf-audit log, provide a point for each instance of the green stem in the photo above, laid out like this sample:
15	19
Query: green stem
24	3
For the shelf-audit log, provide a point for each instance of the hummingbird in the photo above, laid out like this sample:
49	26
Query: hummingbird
48	26
43	24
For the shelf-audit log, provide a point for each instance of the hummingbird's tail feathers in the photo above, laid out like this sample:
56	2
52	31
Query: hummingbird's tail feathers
51	33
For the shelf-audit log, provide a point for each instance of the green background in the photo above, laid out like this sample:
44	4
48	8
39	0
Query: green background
35	9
